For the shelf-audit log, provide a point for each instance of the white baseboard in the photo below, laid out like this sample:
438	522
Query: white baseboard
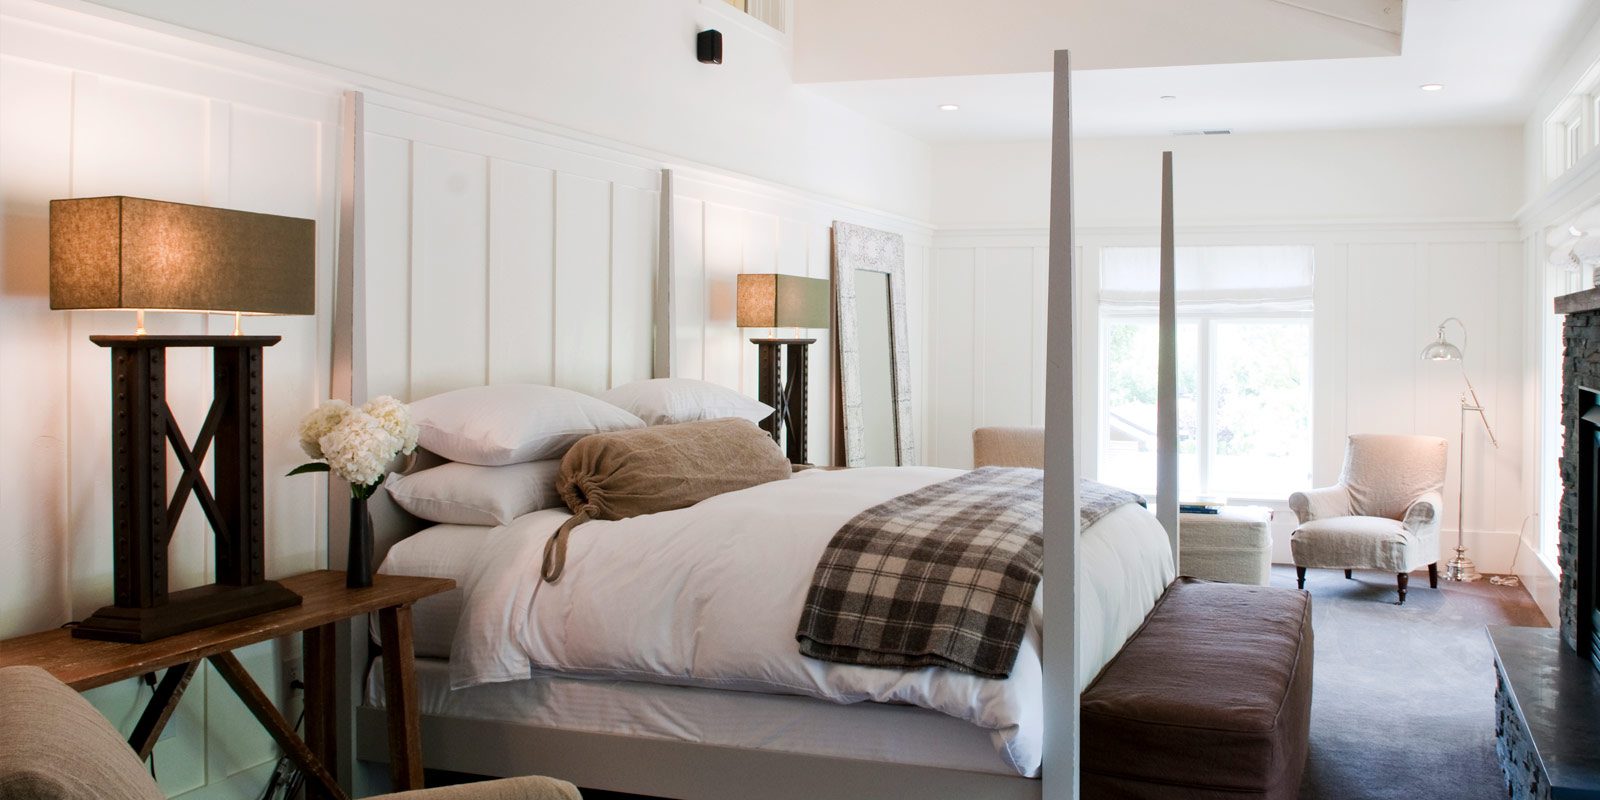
1543	580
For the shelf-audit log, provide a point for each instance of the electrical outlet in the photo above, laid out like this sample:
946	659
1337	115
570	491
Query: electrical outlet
293	671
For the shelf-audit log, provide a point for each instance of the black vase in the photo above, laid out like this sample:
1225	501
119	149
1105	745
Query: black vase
358	572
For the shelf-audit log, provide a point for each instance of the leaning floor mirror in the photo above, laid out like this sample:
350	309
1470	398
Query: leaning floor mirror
874	358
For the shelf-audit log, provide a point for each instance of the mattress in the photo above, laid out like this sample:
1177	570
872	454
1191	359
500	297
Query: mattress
878	732
442	551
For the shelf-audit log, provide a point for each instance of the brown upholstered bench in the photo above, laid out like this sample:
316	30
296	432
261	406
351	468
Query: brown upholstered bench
1211	698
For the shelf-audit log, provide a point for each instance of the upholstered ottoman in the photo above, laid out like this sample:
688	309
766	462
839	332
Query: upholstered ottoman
1233	545
1210	699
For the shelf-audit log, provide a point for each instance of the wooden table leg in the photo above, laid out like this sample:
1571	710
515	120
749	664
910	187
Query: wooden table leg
400	689
267	714
165	701
321	715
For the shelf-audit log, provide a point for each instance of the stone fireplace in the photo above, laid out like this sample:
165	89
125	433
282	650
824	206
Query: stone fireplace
1579	517
1548	690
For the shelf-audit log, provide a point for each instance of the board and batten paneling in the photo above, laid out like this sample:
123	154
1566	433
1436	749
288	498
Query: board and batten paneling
499	253
496	255
86	109
1380	292
725	226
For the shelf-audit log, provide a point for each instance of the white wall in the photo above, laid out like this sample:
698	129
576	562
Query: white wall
1549	203
1409	227
498	248
1422	175
497	253
620	69
91	109
724	227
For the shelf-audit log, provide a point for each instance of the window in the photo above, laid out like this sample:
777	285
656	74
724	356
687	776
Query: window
1244	370
1572	139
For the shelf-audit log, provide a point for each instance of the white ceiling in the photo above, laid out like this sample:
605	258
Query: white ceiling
1489	54
852	40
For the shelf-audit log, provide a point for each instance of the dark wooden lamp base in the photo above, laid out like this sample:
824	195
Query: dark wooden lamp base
186	610
783	386
144	517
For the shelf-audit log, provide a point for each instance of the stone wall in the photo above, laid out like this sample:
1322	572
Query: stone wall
1580	366
1518	760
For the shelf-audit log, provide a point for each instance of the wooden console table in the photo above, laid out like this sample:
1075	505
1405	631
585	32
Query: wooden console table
87	663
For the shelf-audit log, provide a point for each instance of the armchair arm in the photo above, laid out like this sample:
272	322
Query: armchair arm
526	788
1424	511
1329	501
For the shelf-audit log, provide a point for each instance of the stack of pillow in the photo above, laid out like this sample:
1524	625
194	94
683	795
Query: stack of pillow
503	444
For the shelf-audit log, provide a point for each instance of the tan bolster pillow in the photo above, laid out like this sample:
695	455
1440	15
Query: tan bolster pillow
627	473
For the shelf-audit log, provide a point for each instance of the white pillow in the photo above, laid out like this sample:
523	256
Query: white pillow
512	424
468	494
665	401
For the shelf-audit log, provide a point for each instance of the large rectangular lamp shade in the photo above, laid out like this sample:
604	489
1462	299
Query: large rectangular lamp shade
783	301
129	253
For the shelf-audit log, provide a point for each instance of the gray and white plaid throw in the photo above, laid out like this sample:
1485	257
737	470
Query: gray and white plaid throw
943	576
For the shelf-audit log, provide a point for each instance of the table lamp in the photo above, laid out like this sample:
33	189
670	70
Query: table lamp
775	301
128	253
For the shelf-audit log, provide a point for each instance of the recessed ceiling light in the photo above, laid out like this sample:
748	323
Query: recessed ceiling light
949	107
1169	97
1431	87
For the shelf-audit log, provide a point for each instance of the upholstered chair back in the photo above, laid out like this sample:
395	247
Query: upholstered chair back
1385	473
55	746
1008	447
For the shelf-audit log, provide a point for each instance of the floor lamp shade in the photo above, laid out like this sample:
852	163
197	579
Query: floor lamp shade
783	301
125	252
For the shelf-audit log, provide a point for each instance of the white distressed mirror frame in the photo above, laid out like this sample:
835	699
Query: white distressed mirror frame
856	247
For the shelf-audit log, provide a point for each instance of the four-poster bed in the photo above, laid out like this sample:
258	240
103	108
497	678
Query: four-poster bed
465	737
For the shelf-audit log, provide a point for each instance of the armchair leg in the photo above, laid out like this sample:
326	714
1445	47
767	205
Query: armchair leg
1300	576
1403	578
1347	574
1433	575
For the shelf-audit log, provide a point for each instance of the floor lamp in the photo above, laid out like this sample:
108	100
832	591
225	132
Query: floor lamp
1460	568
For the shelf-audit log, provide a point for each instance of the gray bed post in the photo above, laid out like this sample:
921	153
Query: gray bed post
1061	475
348	381
1167	371
664	331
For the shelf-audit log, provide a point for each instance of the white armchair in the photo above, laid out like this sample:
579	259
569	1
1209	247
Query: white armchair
1383	514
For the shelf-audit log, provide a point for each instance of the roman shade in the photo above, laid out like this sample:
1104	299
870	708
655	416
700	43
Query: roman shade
1232	279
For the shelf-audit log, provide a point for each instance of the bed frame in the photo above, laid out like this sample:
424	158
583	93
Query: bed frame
687	770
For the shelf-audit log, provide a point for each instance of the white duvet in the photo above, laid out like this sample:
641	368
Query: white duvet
711	595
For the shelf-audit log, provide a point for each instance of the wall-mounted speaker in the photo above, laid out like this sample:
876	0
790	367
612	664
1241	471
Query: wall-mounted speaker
708	47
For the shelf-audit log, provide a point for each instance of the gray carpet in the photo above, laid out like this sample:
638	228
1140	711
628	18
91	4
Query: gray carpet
1403	696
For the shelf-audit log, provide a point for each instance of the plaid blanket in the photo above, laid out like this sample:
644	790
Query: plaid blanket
943	576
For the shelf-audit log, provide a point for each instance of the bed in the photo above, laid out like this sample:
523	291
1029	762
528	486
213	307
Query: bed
678	627
671	735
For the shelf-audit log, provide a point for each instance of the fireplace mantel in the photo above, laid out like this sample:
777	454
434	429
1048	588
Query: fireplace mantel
1579	302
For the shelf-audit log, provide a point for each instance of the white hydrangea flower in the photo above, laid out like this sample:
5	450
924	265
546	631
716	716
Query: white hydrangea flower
358	448
316	425
395	417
